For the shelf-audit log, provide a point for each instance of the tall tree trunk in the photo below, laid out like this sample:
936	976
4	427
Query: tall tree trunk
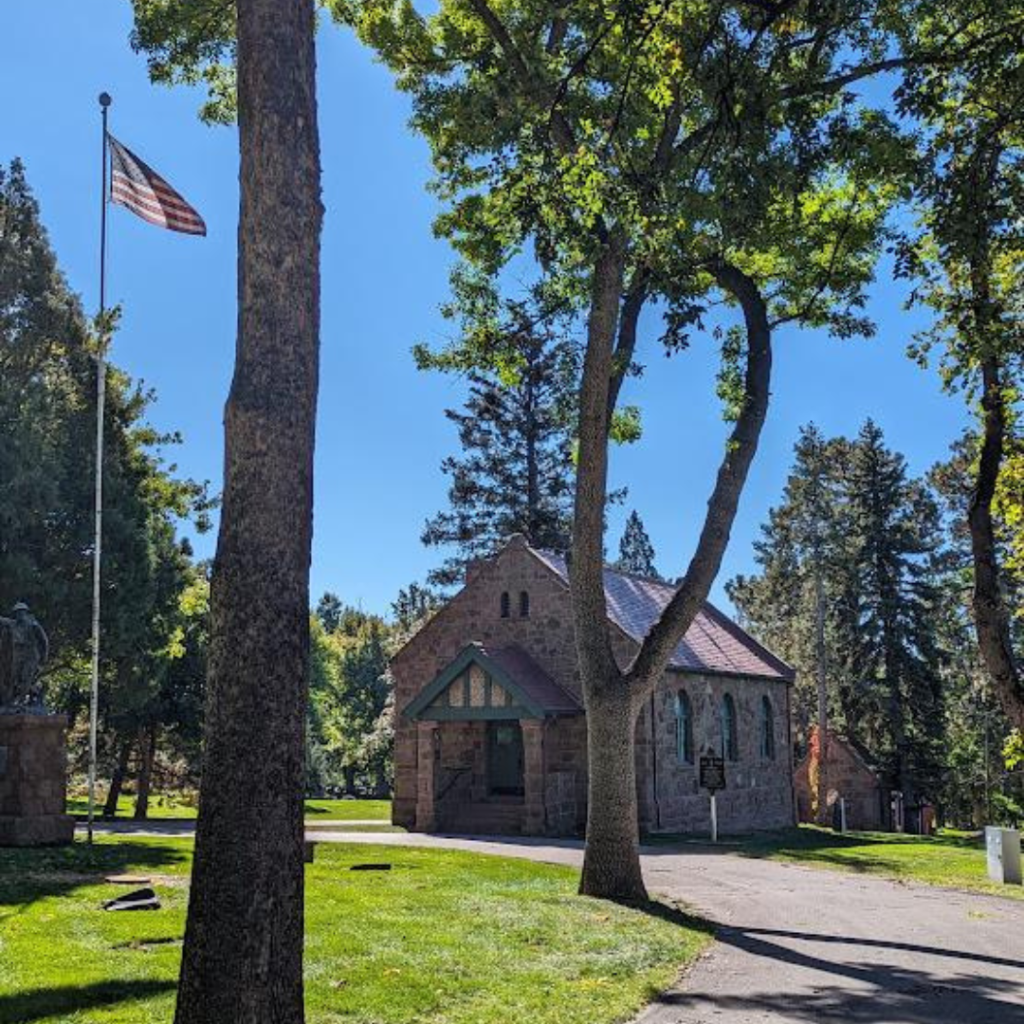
117	779
611	863
242	959
991	620
147	755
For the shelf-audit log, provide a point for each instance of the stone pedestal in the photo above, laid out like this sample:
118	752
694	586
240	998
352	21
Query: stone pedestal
33	781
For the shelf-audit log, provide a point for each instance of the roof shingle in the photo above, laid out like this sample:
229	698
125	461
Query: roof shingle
713	643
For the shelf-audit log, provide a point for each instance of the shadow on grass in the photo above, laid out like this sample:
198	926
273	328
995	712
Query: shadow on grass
27	875
805	841
67	1001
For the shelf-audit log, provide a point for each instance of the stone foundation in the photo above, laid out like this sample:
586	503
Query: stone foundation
33	781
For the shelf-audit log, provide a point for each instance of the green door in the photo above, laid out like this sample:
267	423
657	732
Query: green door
505	759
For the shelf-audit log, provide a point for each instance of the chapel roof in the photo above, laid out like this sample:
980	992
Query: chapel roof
713	643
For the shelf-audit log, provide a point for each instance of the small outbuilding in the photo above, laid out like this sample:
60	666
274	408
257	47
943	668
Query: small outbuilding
849	776
491	731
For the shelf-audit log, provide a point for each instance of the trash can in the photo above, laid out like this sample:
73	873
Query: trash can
1003	847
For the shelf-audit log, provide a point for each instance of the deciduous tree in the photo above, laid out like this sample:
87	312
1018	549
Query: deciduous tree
655	151
967	261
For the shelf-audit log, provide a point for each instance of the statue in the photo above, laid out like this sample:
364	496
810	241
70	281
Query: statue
24	648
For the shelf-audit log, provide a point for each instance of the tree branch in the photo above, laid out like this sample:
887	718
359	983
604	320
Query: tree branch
586	570
532	85
741	447
991	621
622	358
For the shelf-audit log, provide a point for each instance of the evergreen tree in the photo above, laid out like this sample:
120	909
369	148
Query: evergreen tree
47	430
636	552
515	471
328	611
249	834
849	567
895	525
800	545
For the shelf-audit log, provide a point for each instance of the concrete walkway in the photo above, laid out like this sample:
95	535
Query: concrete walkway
799	945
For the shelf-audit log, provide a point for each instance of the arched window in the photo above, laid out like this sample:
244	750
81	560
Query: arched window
684	728
506	605
727	725
524	604
767	730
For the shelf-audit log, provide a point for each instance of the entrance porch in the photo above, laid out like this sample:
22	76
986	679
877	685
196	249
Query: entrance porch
482	732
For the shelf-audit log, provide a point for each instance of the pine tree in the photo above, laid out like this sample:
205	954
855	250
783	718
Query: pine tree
47	431
894	523
328	611
515	471
636	552
854	530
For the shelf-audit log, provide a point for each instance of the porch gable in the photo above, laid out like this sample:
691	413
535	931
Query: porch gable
481	685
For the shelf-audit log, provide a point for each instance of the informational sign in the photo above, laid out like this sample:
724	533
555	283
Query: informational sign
712	773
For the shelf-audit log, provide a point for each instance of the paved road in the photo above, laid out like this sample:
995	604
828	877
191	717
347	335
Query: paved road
798	945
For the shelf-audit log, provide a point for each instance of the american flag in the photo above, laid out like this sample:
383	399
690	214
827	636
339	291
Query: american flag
135	185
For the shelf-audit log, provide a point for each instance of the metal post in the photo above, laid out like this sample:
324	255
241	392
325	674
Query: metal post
97	557
714	817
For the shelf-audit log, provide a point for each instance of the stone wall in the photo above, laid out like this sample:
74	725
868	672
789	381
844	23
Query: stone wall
759	791
561	803
848	777
33	766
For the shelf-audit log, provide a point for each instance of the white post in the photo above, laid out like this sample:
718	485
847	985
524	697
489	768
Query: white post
97	554
97	562
714	817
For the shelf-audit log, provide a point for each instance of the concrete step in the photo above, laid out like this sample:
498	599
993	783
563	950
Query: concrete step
497	818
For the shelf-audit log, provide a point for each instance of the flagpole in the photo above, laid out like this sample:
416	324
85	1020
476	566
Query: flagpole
97	557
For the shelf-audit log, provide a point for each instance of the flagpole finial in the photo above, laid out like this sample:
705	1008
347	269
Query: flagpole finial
105	99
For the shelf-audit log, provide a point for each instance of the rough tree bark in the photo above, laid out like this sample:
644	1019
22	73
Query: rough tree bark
991	619
611	866
242	960
147	755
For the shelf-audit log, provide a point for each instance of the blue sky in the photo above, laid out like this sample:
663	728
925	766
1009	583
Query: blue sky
381	432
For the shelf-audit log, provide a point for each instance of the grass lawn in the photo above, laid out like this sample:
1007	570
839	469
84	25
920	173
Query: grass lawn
956	860
444	938
348	810
184	806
